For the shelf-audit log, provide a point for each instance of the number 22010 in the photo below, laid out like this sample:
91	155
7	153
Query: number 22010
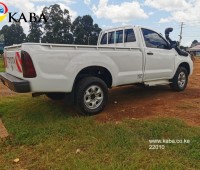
156	147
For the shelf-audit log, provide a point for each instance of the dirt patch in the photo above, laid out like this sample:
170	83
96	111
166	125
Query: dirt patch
3	131
144	103
4	91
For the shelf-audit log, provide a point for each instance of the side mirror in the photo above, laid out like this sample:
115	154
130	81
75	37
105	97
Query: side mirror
174	44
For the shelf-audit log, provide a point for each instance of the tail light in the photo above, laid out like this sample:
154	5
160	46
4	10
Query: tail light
27	65
5	61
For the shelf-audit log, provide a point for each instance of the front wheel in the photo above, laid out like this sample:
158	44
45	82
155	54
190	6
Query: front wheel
91	95
180	80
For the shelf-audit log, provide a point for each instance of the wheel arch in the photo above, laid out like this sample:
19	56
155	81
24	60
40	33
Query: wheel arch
186	66
95	71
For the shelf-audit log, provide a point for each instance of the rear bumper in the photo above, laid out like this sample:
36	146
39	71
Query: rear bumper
15	84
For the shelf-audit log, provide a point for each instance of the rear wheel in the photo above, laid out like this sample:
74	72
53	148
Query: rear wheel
180	80
91	95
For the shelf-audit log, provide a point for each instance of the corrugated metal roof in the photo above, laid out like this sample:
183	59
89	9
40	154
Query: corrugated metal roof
196	48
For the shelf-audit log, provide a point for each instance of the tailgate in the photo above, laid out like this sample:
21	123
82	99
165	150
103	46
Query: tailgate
12	57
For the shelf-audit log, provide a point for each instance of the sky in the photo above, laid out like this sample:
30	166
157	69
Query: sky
154	14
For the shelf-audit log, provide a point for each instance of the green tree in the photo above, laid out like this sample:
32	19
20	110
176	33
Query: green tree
35	32
57	29
13	34
84	31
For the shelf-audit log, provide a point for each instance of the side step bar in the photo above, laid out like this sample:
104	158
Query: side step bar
157	82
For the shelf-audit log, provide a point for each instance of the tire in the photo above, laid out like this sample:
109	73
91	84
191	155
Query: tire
91	96
56	96
180	80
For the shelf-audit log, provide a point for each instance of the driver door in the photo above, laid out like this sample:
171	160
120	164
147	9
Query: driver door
160	58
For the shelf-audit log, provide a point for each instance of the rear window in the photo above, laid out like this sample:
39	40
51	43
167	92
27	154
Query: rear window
111	37
104	39
119	36
129	36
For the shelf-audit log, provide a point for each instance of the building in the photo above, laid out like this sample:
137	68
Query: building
1	47
195	50
1	43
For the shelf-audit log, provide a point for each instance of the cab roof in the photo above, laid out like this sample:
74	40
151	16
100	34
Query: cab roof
117	28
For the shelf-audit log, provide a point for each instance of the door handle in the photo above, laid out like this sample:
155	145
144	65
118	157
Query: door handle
150	53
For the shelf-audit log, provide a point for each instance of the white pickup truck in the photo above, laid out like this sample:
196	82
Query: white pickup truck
124	55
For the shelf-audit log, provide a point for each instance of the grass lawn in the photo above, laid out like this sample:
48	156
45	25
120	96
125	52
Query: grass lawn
46	135
1	64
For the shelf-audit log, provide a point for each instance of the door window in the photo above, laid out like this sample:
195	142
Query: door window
154	40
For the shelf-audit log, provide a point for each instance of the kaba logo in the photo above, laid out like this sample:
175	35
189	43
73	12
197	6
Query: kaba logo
3	11
12	16
32	17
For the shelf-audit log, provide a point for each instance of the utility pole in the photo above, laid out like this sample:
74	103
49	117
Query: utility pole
181	33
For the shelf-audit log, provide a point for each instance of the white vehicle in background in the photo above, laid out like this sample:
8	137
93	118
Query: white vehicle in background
124	55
